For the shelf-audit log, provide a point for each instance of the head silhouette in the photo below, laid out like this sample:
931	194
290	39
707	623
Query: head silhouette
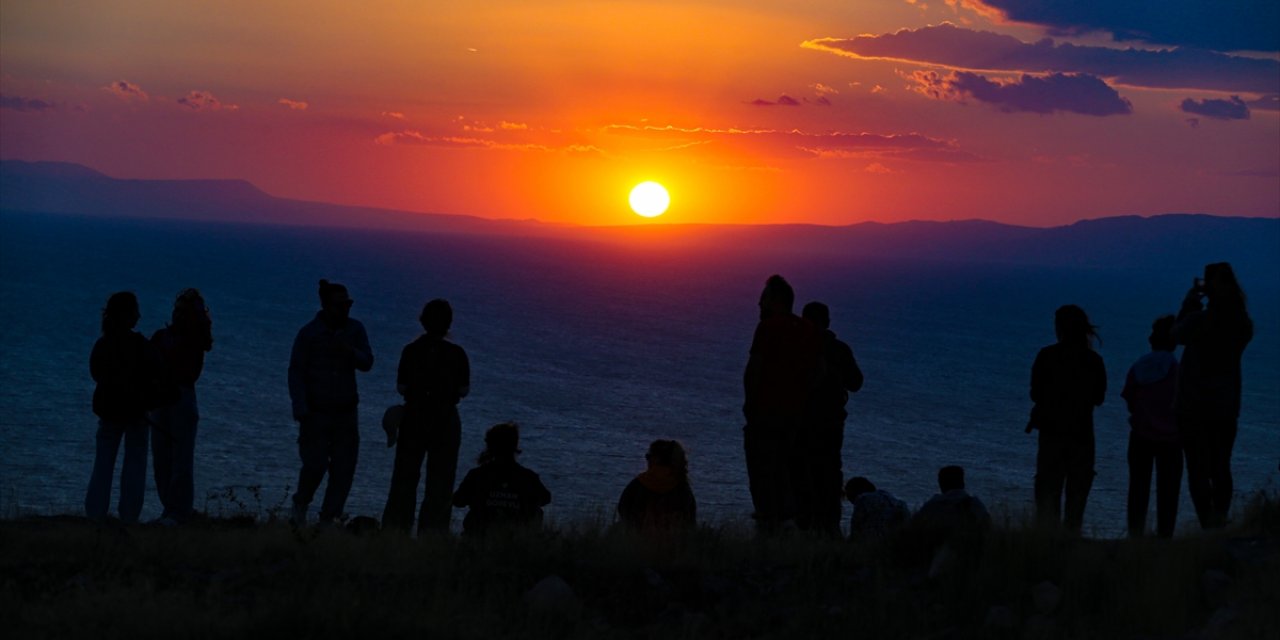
950	478
1161	338
669	454
1072	326
1222	288
856	487
777	299
121	313
188	307
437	317
335	301
818	314
501	442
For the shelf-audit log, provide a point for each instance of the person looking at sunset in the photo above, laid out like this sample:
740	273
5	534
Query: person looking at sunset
123	365
823	436
322	385
1068	379
500	493
434	375
784	364
182	345
1207	405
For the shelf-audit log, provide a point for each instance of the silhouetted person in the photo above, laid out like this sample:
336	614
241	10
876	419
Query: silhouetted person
1068	380
660	499
820	441
322	385
434	375
953	510
1149	391
876	513
501	494
125	367
181	345
785	363
1208	398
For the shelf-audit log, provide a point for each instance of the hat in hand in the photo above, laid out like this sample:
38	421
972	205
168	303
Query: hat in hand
391	423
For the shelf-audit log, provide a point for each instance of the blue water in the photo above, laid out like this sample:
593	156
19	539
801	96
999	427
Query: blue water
594	349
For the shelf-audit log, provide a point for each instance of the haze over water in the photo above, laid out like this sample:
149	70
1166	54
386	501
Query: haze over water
594	349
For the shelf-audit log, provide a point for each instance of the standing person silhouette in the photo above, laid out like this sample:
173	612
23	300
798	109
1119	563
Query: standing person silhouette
322	385
123	365
434	375
784	364
1068	380
1149	390
1207	404
822	438
181	345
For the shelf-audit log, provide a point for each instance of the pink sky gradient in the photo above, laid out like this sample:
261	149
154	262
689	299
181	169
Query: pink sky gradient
822	111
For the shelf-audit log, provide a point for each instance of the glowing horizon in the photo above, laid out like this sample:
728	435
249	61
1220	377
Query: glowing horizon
825	111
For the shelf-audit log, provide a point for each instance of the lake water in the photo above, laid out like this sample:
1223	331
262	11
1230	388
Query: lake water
594	349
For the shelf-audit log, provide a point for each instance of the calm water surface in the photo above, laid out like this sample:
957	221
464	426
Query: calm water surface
594	350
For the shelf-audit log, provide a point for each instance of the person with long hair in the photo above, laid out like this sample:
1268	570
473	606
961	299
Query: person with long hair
660	499
500	493
1207	404
1068	379
181	345
123	365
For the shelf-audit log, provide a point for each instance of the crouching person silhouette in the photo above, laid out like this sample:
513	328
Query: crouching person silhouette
499	492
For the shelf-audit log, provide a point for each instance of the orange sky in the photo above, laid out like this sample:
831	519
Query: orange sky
553	110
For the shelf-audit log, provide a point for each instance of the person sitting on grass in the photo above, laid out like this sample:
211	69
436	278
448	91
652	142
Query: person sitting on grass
876	513
660	499
953	510
500	492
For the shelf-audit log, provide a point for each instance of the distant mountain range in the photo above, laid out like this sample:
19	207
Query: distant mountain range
1171	240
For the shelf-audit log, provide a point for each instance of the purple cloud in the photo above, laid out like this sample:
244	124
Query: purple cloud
1266	103
1223	25
127	91
1082	94
783	101
29	105
204	101
1231	109
950	46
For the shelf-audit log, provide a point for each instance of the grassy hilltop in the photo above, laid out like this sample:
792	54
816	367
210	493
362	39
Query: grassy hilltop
64	577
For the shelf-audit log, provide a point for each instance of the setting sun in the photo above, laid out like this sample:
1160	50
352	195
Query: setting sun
649	199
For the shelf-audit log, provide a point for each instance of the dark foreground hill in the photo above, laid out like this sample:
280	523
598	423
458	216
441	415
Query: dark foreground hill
1173	241
69	578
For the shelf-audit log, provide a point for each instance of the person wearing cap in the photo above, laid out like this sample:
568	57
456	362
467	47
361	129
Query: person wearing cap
322	386
434	375
182	345
499	493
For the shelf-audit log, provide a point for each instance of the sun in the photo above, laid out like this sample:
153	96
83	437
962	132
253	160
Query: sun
649	199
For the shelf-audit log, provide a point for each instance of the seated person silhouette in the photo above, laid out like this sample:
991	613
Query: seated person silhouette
501	494
660	499
953	510
876	513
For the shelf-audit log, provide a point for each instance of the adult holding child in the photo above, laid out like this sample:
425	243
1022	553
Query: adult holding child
434	375
181	345
1068	379
322	386
1207	404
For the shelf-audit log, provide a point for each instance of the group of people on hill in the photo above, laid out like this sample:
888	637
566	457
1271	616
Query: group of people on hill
1177	411
796	384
